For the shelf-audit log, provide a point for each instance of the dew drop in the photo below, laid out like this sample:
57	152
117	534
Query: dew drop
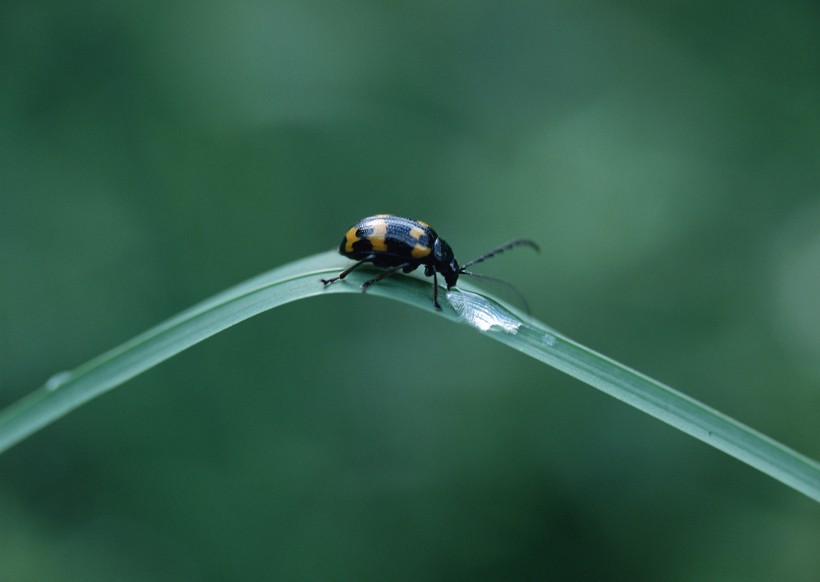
481	313
57	380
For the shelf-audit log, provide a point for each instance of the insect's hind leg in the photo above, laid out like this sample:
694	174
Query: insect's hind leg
347	271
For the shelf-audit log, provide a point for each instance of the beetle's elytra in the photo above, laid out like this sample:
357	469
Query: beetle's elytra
400	244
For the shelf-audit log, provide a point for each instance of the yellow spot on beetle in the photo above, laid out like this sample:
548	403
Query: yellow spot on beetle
350	238
377	237
416	232
420	251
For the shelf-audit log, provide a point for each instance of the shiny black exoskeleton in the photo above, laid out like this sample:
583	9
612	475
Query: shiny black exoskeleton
395	243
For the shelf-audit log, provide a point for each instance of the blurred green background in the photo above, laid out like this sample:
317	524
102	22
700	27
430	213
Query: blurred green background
665	155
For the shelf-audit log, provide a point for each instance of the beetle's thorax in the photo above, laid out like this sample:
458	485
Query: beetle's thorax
445	260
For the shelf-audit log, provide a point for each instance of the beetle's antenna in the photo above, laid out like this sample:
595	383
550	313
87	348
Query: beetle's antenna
501	249
503	282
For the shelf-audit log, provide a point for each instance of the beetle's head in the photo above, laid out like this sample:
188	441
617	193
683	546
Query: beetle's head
446	263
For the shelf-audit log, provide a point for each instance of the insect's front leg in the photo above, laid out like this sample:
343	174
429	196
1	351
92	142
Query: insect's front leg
435	289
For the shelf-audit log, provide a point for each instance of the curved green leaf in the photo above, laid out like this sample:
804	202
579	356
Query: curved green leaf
299	280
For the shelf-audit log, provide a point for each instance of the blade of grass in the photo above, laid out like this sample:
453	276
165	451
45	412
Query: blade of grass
300	279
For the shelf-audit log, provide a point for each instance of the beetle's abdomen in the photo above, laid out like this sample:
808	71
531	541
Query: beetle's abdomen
388	236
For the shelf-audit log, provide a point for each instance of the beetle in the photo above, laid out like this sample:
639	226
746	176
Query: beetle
396	244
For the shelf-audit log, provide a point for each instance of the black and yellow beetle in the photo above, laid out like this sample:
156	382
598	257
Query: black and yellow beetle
395	243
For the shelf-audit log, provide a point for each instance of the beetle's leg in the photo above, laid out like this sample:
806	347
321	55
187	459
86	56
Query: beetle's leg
435	290
347	271
382	275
